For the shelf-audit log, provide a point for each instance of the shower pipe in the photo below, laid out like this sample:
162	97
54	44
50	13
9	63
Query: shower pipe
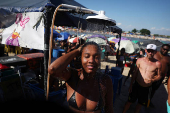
78	10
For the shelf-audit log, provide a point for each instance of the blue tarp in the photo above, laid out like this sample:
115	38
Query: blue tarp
8	8
20	6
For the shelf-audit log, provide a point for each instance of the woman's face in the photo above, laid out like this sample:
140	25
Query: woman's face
90	59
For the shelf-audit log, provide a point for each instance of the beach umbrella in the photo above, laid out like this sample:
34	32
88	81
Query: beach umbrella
98	40
144	43
129	46
74	40
64	36
60	28
94	36
135	41
116	40
83	36
55	34
110	38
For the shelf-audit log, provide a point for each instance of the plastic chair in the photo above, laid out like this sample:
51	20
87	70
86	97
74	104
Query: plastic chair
57	53
38	93
116	77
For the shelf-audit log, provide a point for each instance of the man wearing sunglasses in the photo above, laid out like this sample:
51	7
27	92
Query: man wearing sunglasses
163	57
148	71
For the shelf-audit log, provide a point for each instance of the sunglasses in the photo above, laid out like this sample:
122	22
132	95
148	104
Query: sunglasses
165	49
150	50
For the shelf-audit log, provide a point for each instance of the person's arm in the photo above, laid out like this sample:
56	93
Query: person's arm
117	57
117	54
168	87
109	96
158	76
59	67
125	59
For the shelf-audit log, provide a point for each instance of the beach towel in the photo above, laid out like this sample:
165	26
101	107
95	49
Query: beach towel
168	107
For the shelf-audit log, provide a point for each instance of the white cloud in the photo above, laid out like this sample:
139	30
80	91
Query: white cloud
162	31
153	28
119	24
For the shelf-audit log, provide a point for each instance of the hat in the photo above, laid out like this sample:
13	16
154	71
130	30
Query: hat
151	46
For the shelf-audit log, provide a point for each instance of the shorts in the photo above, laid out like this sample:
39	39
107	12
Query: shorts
156	85
140	93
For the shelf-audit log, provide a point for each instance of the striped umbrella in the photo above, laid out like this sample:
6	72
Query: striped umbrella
74	40
98	40
135	41
116	40
99	36
110	38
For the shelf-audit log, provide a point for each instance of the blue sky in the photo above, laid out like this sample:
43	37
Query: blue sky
153	15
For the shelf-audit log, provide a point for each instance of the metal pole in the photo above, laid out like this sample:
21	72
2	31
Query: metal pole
50	49
119	40
47	24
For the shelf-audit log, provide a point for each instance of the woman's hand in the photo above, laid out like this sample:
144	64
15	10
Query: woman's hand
58	67
80	48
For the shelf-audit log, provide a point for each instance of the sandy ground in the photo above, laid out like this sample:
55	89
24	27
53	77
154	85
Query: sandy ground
159	99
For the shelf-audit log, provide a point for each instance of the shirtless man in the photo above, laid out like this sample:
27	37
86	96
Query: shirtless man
163	57
148	71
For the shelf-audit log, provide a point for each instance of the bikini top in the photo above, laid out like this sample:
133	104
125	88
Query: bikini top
72	101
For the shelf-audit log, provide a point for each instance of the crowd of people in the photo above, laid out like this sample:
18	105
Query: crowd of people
88	90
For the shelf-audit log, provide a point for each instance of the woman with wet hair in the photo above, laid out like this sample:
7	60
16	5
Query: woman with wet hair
87	89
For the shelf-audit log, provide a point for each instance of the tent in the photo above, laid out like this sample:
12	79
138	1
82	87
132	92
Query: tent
9	8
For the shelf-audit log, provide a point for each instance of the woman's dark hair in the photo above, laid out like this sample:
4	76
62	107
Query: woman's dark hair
90	43
123	49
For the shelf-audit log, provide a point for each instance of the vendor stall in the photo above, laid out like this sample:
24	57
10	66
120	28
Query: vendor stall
11	9
23	17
